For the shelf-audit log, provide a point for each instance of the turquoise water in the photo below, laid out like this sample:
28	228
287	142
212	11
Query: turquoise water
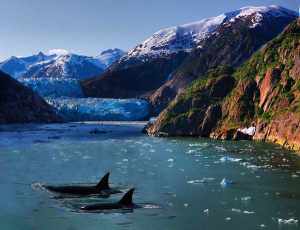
179	179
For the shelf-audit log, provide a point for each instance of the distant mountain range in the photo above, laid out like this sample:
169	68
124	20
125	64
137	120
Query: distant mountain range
172	58
60	64
58	72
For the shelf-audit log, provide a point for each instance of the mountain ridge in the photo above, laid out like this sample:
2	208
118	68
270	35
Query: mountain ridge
35	65
132	74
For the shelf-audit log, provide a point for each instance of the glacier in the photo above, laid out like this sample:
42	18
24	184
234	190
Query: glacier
99	109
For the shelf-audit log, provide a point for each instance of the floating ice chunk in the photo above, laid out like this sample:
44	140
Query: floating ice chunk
186	205
248	131
231	159
236	210
199	145
220	148
202	181
206	211
190	151
171	160
288	221
225	182
228	218
246	198
248	212
151	206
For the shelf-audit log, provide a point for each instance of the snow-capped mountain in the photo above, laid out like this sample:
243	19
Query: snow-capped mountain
59	63
57	72
70	66
189	36
17	66
154	62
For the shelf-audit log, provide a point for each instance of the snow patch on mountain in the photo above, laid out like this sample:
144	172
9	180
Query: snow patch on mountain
110	56
258	13
177	38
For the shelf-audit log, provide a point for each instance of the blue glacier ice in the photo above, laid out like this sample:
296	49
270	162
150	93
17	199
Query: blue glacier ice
99	109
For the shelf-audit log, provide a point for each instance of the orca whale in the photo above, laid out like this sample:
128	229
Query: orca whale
101	188
125	203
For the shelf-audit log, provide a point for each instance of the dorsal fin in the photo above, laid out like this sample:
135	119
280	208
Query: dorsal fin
104	183
127	198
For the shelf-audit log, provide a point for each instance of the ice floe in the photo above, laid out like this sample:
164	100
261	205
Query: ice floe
201	181
288	221
230	159
225	182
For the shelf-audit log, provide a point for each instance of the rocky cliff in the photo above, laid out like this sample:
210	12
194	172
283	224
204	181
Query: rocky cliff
259	100
233	43
19	104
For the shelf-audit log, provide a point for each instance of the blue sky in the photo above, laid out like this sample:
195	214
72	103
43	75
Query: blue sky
90	26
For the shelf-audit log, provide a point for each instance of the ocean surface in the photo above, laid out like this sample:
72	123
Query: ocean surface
177	180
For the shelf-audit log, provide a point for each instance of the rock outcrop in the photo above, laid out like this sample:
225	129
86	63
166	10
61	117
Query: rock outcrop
196	111
19	104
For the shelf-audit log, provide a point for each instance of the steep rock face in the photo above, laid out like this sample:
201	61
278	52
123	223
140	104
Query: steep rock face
274	105
231	44
283	130
265	96
19	104
196	111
